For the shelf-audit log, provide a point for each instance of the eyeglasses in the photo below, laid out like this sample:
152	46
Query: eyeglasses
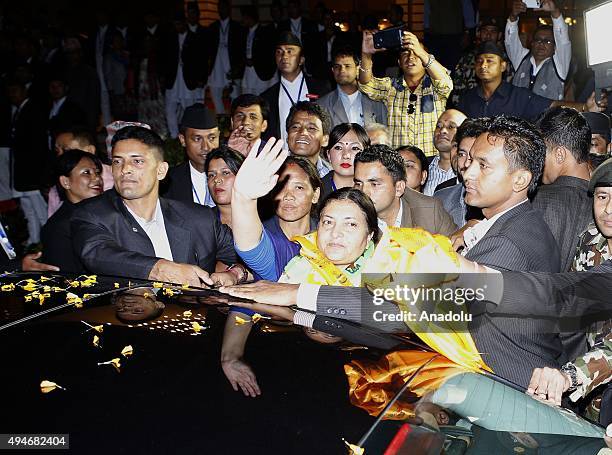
411	106
545	41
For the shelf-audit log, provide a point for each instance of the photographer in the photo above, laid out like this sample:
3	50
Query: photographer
414	101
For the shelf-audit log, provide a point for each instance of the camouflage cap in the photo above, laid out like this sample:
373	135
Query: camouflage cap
602	176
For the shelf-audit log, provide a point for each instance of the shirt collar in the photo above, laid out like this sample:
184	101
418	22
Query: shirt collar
157	216
297	81
194	170
351	98
193	27
503	90
58	103
382	224
152	29
297	21
572	182
224	22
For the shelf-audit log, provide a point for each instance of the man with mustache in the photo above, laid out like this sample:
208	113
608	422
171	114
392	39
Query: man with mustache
131	231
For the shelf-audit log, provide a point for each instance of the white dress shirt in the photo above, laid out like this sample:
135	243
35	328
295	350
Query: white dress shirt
218	76
199	187
156	231
57	105
352	106
382	224
474	234
285	103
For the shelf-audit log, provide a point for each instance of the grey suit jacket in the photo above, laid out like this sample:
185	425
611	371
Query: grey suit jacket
426	212
373	111
110	241
453	202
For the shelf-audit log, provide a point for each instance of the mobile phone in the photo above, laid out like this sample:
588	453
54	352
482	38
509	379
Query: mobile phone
532	4
389	38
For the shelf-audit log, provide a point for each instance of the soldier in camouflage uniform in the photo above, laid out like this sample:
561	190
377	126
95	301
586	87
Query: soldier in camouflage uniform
594	369
464	76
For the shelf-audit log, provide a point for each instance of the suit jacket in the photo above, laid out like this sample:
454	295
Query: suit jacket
262	53
373	111
567	209
69	114
236	47
110	241
426	212
447	183
177	184
30	153
57	241
193	56
312	42
271	95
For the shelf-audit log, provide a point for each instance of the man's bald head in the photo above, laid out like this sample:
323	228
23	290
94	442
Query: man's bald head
446	128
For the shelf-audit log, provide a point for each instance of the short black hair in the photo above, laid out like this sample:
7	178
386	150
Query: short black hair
67	162
307	166
346	51
472	128
389	158
232	158
341	129
83	135
420	155
311	109
141	134
362	201
523	146
249	99
565	127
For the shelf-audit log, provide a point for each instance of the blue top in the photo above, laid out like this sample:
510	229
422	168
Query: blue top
507	99
268	259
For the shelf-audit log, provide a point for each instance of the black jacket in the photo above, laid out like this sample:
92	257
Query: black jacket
110	241
193	56
263	52
177	184
57	241
236	47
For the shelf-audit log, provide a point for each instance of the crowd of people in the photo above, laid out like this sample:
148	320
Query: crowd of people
487	163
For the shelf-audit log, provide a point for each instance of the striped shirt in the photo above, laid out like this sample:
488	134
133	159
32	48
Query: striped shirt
436	175
416	128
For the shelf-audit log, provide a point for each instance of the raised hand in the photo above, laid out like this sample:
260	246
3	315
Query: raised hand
592	105
518	7
367	43
411	42
257	175
240	141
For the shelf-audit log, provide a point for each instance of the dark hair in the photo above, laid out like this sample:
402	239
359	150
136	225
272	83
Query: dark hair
247	100
418	153
81	134
472	128
565	127
250	11
523	146
389	158
232	158
397	9
362	201
307	166
596	159
311	109
346	51
545	28
66	163
341	129
141	134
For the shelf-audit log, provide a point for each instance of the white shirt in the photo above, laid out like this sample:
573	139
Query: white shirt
57	105
250	38
199	187
218	76
284	103
436	175
193	28
563	46
123	31
474	234
382	224
156	231
352	106
152	30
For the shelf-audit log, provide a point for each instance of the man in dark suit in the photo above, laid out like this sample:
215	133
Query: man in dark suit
64	113
133	232
226	42
347	104
30	156
185	69
564	200
260	69
199	134
99	46
294	85
308	33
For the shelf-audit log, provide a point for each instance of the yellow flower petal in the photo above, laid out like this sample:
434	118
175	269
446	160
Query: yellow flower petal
196	327
49	386
169	292
116	285
127	351
256	317
8	287
354	449
240	321
187	313
96	341
158	285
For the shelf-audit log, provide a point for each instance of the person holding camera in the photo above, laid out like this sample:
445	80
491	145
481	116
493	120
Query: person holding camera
415	100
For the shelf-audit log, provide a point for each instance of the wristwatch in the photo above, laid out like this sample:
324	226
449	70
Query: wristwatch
430	61
570	369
